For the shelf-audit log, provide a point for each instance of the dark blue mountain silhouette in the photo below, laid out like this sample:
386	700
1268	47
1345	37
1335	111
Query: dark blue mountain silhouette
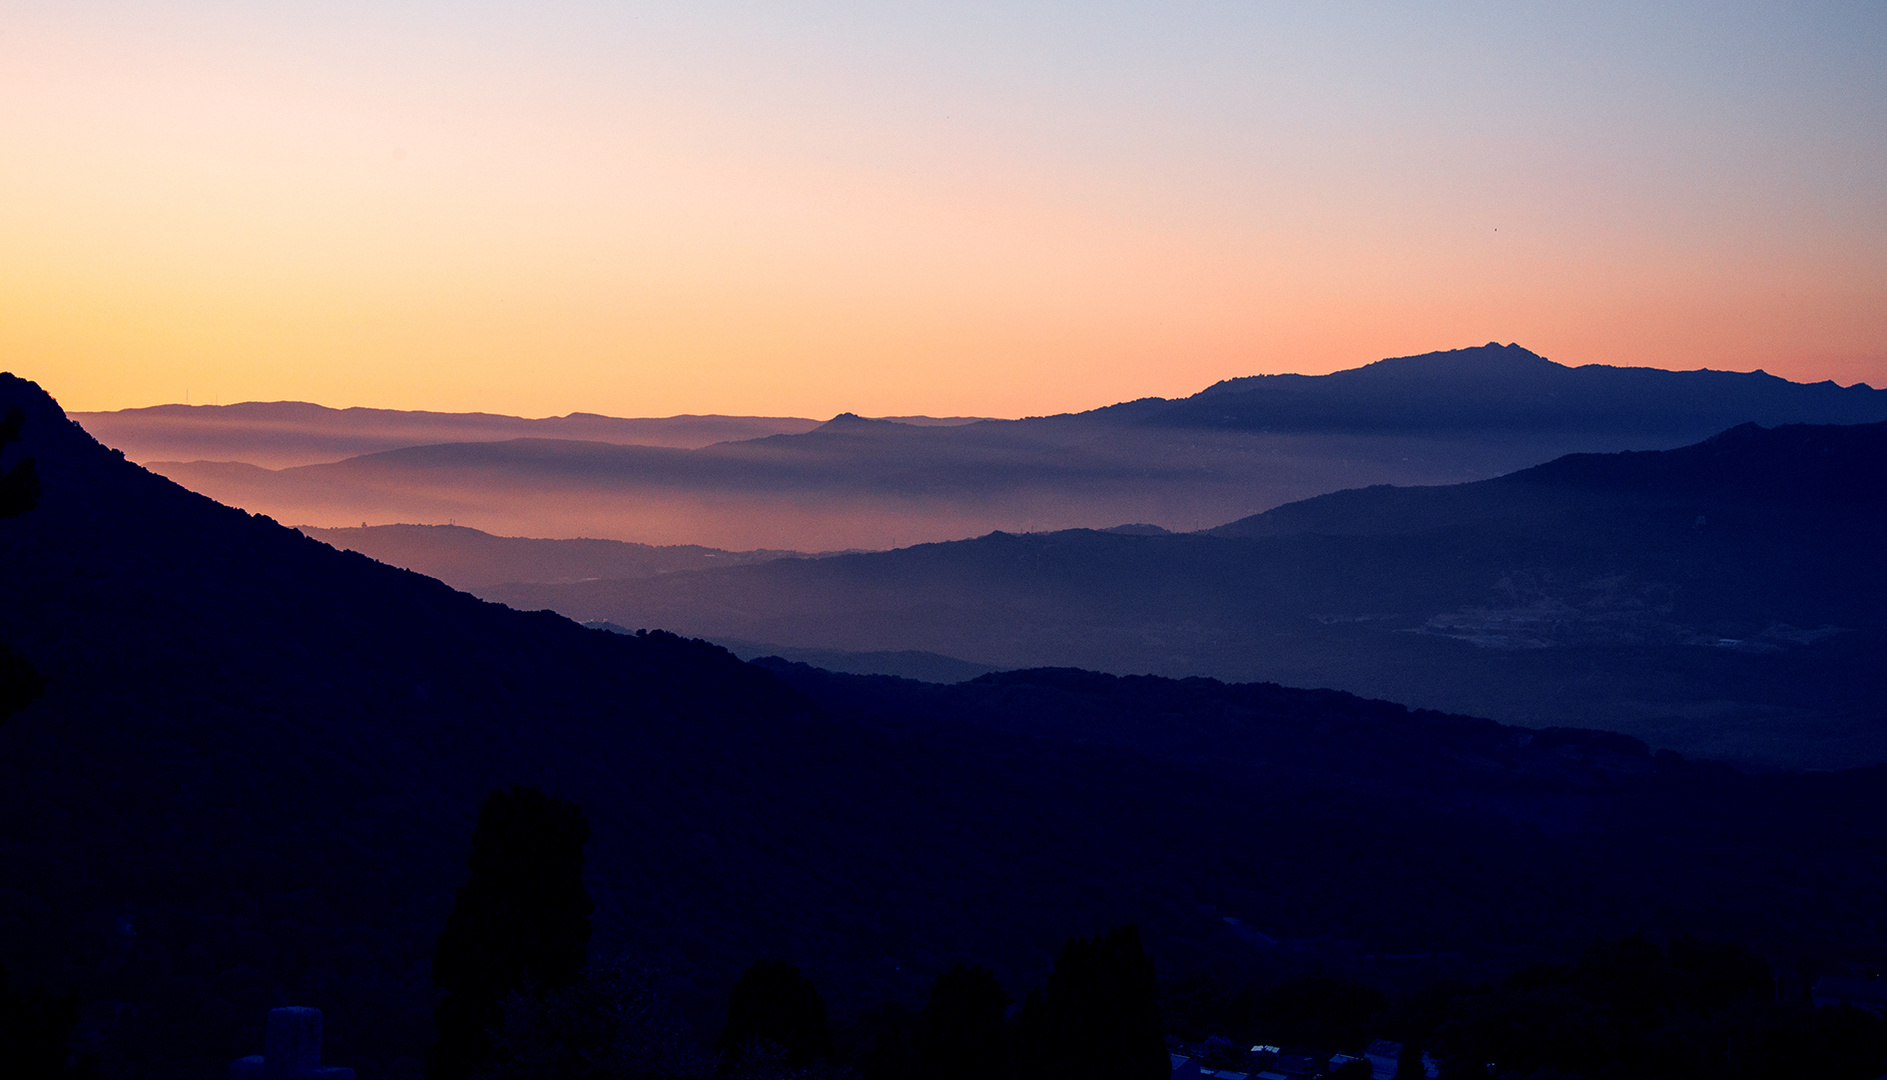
252	776
1508	387
1724	599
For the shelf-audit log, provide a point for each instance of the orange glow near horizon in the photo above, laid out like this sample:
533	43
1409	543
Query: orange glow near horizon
373	209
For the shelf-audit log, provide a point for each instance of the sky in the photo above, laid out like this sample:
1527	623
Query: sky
961	208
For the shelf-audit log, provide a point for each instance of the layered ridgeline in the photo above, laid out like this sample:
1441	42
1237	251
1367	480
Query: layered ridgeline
469	559
282	434
1726	598
252	775
1237	448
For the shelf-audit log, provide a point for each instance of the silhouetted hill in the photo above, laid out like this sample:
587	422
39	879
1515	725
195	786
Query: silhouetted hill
1800	468
1498	387
905	664
1724	599
908	664
468	559
252	776
1817	467
1232	450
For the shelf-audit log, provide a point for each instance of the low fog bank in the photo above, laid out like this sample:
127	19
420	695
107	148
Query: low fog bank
873	490
1236	449
1724	600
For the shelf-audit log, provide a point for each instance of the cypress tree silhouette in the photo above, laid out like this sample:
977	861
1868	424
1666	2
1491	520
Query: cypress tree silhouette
775	1003
961	1035
1098	1018
20	684
521	921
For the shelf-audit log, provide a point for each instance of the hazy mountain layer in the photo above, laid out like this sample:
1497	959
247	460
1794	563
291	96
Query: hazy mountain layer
1233	450
904	664
850	484
282	434
1727	598
252	778
468	559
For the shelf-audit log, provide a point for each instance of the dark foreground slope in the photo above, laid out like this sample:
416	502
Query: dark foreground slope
251	779
1726	599
1234	449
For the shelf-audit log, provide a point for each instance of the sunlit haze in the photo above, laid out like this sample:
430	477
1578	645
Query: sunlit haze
977	209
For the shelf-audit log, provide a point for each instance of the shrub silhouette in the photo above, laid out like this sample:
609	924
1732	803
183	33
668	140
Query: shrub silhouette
35	1031
1317	1010
961	1035
521	921
1098	1017
775	1003
613	1023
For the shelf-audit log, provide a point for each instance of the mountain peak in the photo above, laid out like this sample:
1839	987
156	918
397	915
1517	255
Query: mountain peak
1492	360
1497	387
850	421
1479	361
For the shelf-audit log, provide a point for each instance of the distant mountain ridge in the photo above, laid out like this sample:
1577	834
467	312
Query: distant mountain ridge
1821	464
1235	449
1506	386
1725	599
1832	469
284	434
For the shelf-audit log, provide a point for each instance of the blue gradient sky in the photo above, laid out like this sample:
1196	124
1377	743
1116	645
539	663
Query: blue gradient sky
962	208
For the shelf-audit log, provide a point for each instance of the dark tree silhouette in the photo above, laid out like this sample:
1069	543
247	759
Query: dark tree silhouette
19	484
880	1046
35	1035
775	1003
1317	1010
1098	1017
1630	1007
613	1023
20	684
521	921
961	1035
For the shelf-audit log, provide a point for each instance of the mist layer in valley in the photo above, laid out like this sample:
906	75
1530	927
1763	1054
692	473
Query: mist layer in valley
1235	449
469	559
1724	599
